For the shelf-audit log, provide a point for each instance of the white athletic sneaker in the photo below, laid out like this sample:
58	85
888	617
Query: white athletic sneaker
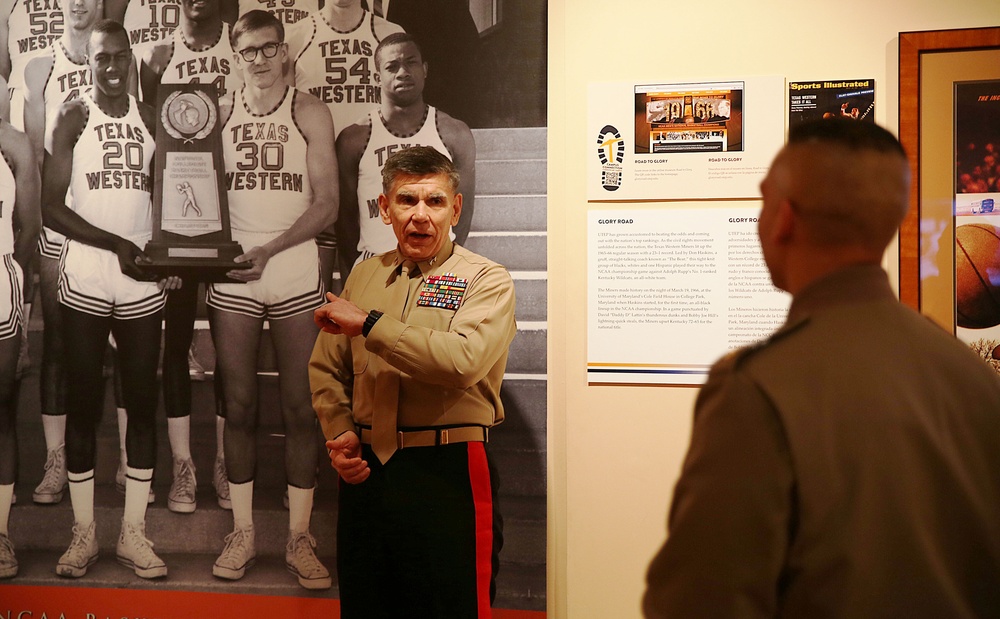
120	481
301	561
8	562
238	555
136	551
182	491
54	481
81	554
220	479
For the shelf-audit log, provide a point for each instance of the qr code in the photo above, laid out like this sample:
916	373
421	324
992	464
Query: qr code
612	178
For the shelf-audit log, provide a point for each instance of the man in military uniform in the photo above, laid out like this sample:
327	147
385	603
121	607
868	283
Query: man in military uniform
406	384
849	466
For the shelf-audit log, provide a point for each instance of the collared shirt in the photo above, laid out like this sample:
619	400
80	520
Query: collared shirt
451	360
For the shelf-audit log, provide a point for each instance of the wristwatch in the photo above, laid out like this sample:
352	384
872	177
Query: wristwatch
373	317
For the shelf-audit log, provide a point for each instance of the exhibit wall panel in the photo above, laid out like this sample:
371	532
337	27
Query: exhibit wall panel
614	451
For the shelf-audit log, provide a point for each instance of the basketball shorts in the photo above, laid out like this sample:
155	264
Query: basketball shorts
91	281
11	297
289	285
50	243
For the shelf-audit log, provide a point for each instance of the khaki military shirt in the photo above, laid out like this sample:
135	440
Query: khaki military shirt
450	360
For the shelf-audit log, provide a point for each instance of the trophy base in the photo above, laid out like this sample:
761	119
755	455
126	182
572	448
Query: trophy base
195	261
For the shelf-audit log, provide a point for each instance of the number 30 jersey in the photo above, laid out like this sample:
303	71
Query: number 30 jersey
267	179
111	183
338	67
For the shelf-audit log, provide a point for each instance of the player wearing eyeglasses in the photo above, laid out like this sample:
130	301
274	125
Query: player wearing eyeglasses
282	188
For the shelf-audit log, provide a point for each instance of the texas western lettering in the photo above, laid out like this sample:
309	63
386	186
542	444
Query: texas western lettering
337	54
119	176
261	145
199	66
44	16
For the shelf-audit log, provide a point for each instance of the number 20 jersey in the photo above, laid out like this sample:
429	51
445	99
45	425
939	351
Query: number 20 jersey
111	183
267	178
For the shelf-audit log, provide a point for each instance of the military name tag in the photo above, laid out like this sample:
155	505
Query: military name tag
191	233
444	291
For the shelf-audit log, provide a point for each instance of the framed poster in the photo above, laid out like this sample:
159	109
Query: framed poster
938	72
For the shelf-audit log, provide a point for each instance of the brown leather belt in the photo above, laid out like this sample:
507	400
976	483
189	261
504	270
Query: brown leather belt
433	437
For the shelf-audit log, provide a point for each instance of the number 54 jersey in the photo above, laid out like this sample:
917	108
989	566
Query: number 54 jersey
338	67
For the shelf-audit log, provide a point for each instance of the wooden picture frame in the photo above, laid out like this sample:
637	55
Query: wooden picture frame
913	50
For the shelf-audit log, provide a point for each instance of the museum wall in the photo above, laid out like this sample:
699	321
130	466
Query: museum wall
615	452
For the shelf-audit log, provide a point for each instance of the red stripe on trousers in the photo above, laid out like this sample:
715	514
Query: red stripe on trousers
482	497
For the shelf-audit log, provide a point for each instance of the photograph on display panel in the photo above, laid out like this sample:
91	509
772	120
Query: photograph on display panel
487	108
977	222
689	118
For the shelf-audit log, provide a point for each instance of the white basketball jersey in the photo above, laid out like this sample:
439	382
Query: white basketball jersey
266	174
111	182
338	67
287	11
150	21
32	27
213	65
66	81
8	190
376	236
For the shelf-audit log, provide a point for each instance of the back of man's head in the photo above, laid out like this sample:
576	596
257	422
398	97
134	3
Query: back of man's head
849	182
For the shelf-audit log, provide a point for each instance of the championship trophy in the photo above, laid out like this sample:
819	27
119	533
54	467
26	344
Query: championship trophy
191	234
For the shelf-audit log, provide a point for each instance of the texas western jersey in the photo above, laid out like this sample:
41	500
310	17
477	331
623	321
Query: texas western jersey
376	236
8	192
66	81
337	67
32	27
211	65
110	182
150	21
287	11
266	174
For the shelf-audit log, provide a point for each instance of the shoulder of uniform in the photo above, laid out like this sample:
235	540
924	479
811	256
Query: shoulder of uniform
739	356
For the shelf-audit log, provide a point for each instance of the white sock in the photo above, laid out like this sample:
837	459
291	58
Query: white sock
122	428
137	483
54	428
220	429
179	433
81	495
6	498
300	503
242	497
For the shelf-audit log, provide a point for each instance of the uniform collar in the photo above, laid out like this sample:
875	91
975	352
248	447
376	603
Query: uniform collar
856	284
435	261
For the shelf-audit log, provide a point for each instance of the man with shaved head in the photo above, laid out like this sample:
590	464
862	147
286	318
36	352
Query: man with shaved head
849	465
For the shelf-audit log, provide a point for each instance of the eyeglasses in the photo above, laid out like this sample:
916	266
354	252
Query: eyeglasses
270	50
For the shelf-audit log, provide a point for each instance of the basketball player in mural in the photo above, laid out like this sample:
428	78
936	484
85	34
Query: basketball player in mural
282	190
102	146
20	223
57	75
334	51
401	119
27	29
198	52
